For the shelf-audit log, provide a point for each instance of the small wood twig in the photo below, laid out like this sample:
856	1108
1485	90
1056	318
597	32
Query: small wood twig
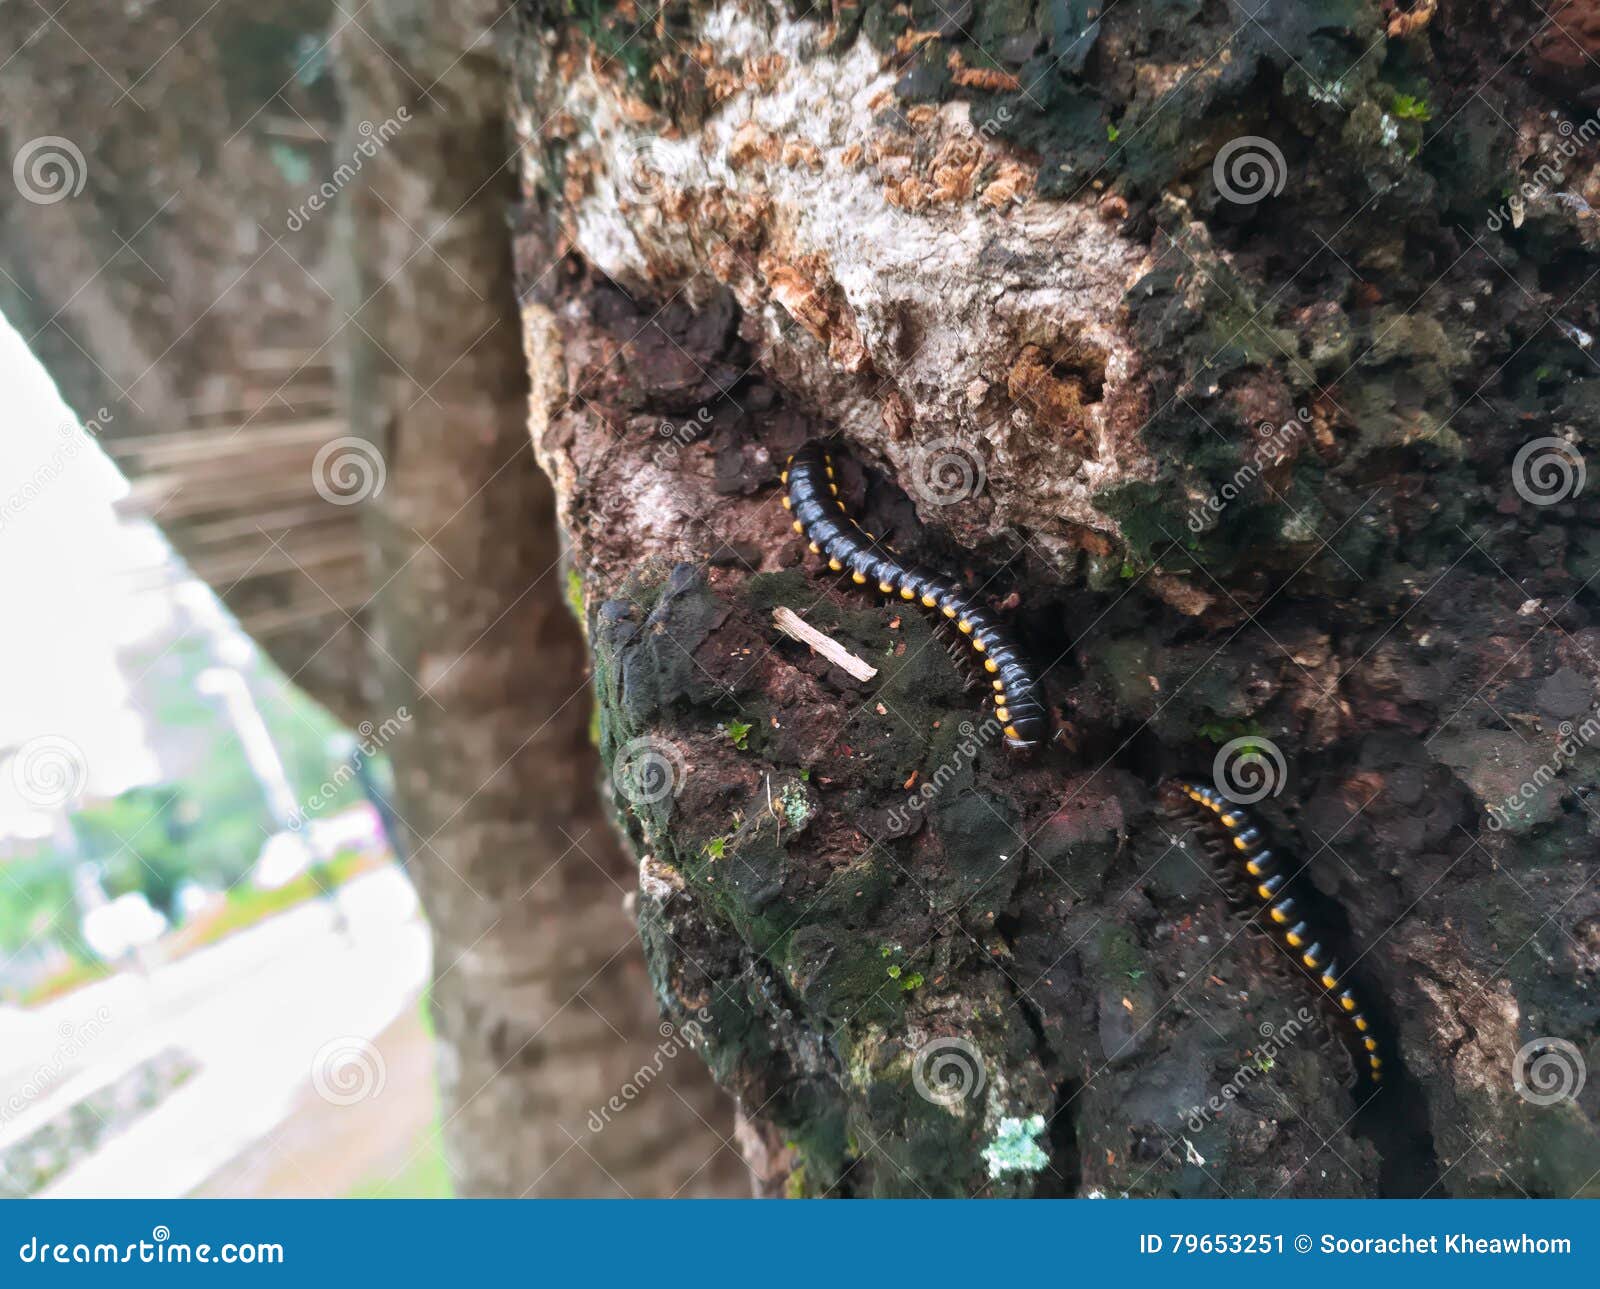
792	625
1403	25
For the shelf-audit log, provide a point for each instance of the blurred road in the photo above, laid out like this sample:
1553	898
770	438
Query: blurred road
272	1015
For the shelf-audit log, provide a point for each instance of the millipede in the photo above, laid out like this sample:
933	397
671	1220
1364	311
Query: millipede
1231	832
1270	897
819	515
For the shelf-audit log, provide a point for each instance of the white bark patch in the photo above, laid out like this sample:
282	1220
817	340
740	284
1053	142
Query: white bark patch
904	281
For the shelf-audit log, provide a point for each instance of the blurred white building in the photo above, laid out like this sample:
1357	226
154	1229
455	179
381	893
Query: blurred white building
69	729
98	599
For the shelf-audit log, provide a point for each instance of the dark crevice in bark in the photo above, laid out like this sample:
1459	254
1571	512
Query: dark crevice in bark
1395	1118
1061	1133
1397	1124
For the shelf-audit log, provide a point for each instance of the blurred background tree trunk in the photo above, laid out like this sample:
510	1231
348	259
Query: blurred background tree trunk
543	1006
191	279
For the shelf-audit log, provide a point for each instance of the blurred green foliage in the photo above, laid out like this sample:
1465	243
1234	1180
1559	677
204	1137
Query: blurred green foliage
207	825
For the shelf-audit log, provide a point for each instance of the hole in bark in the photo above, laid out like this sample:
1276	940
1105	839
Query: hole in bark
1085	366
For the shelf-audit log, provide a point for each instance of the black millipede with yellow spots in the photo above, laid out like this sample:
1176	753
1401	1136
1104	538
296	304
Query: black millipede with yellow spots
1267	877
813	499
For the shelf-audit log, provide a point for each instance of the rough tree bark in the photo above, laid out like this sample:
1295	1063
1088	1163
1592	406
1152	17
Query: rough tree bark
1203	338
148	257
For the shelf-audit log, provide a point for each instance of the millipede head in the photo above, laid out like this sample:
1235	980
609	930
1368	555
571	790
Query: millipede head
1175	797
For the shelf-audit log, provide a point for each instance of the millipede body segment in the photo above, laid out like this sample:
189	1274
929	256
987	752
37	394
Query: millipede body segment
813	500
1237	836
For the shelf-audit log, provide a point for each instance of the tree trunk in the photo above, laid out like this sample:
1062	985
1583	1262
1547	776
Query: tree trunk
1203	344
543	1008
